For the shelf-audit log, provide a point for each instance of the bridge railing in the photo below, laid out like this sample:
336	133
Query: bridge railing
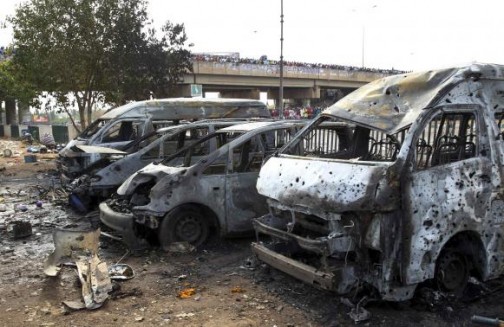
246	69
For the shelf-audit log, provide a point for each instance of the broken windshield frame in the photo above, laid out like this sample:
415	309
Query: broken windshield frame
353	142
93	129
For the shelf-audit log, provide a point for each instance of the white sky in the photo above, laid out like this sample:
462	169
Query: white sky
403	34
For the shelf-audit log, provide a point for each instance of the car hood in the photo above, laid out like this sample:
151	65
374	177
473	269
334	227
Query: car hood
150	172
67	150
326	185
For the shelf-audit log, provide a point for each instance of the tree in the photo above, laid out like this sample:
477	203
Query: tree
12	86
91	50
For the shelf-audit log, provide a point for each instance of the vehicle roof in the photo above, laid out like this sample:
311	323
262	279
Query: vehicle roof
257	125
392	103
188	108
206	122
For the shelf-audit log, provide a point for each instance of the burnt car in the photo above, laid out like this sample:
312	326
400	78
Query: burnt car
105	175
120	126
208	185
417	196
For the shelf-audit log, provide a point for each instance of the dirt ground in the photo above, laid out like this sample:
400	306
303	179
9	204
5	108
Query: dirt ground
229	290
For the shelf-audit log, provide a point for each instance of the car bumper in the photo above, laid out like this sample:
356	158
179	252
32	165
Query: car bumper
118	221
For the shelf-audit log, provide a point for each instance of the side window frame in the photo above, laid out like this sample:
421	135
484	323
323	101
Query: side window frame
136	124
434	146
248	145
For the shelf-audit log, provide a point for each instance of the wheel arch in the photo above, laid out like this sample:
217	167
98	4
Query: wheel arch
206	211
470	244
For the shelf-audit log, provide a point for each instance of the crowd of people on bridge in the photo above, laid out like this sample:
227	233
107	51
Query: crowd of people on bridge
263	60
234	58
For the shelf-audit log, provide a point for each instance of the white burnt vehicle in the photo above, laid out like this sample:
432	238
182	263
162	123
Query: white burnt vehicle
417	196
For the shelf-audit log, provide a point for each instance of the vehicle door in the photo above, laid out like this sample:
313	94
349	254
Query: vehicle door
211	183
179	140
243	202
448	185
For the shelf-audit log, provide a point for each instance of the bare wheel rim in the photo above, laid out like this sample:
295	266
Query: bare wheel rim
188	228
452	272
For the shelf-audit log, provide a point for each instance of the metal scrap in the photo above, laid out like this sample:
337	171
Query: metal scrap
120	272
81	247
95	281
357	313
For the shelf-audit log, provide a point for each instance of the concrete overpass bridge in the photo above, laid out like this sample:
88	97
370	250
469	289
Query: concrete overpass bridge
247	80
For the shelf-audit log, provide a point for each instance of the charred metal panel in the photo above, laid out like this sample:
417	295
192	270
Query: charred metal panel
392	103
326	185
170	192
98	149
190	108
242	201
297	269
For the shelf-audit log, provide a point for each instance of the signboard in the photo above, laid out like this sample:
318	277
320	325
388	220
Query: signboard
196	90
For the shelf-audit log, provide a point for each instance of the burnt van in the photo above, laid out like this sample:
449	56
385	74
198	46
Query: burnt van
415	196
122	125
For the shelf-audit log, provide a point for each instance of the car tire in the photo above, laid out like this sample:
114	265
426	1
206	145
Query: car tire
183	224
452	271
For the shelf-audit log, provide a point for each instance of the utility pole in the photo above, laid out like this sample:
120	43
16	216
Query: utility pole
280	92
363	41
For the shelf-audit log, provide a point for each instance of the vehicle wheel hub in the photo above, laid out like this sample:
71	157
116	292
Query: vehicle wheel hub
452	272
188	229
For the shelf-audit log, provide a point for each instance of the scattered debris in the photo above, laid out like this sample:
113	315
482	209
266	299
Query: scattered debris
81	247
179	247
250	263
7	153
48	140
96	285
120	272
21	229
357	313
186	293
181	277
117	294
237	289
22	207
30	158
185	315
487	321
66	242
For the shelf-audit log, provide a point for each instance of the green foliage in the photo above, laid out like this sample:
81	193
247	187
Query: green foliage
13	86
96	49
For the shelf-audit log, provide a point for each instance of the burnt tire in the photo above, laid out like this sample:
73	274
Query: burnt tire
184	224
452	271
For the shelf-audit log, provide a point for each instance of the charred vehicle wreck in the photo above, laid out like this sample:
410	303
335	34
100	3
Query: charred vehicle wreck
105	175
208	185
416	197
120	126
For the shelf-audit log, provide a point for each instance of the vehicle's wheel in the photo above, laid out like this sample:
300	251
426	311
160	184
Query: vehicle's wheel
452	271
184	223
